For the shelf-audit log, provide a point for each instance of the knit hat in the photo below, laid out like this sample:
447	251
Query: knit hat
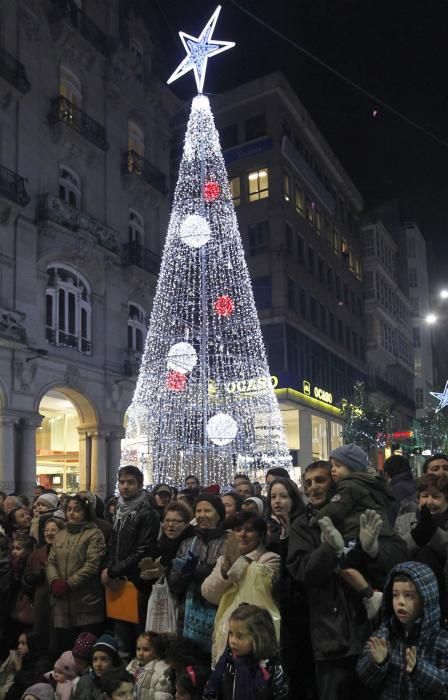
258	502
67	665
214	501
109	645
351	456
83	645
213	488
51	500
40	691
397	464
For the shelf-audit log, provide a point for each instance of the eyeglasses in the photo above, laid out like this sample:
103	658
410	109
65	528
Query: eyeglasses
173	522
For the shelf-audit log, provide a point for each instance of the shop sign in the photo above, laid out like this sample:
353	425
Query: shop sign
317	392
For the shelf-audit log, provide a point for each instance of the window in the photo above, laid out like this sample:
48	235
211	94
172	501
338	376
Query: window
323	318
346	294
329	279
355	342
299	199
413	279
69	186
287	187
289	238
300	248
313	310
347	338
258	185
336	241
136	327
419	403
255	127
136	229
136	139
137	51
68	309
338	287
262	287
228	136
416	337
302	303
291	294
318	221
340	332
258	237
235	190
332	327
310	212
321	269
70	86
311	259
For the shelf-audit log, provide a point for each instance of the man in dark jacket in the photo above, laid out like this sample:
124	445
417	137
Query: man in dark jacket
401	482
134	536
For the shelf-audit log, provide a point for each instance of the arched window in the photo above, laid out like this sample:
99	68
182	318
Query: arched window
136	327
70	86
68	309
69	186
136	228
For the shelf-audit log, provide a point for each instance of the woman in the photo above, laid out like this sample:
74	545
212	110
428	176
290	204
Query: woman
194	561
35	582
73	573
175	529
232	503
18	522
244	546
285	504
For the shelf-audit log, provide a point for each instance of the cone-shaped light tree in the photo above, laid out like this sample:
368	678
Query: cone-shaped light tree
204	402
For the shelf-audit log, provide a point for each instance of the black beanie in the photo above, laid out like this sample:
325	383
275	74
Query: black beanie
396	464
214	501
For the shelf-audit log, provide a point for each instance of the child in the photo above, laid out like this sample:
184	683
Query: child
63	675
190	683
408	656
117	684
152	674
45	507
249	668
23	667
105	656
39	691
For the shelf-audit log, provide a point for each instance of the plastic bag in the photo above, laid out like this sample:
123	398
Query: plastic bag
254	588
161	616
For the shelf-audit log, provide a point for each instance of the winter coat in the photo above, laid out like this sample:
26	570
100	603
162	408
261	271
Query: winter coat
35	584
402	487
130	542
352	496
88	688
152	681
13	684
429	679
167	547
406	523
275	687
75	557
206	545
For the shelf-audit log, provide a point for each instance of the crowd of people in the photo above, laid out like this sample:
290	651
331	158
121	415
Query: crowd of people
336	590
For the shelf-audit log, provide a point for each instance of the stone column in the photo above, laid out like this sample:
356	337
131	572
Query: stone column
7	452
113	459
27	450
84	464
306	438
98	477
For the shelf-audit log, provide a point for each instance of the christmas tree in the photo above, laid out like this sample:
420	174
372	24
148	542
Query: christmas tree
364	424
204	402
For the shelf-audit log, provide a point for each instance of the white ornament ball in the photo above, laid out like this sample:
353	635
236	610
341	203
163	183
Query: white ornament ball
221	429
182	357
194	231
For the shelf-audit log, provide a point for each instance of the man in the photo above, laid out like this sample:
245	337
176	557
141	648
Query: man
134	536
338	624
276	472
244	489
436	464
192	483
401	482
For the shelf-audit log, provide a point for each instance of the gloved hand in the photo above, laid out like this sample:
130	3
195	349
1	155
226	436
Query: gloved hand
425	528
331	536
59	588
190	564
370	524
154	571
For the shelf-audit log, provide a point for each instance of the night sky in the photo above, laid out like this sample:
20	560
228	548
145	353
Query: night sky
395	50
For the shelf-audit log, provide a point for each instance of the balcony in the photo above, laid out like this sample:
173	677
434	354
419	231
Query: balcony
377	383
12	186
67	12
133	164
13	71
68	340
65	112
136	254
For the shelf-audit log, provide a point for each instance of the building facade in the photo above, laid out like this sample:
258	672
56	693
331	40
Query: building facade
298	213
84	155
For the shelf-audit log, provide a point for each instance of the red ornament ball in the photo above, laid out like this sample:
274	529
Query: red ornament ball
176	381
211	191
224	305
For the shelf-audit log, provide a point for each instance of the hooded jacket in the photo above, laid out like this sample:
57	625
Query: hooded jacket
152	681
354	494
429	679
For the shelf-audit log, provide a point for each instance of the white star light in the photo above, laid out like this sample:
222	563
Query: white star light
199	50
442	397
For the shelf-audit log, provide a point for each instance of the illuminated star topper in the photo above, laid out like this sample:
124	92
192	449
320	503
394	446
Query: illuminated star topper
199	50
441	396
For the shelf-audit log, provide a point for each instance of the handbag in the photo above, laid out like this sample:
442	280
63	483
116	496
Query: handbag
199	618
23	610
161	615
123	604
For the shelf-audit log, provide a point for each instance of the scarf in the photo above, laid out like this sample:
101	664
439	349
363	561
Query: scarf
76	528
128	509
250	675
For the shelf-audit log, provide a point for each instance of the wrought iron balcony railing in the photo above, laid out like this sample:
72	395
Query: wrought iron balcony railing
136	254
133	163
13	71
68	340
62	110
12	186
68	9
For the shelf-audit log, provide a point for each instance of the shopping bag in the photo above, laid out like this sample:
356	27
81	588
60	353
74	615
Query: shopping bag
161	616
199	619
123	604
254	588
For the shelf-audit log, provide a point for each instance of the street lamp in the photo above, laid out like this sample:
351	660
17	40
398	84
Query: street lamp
444	294
430	319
